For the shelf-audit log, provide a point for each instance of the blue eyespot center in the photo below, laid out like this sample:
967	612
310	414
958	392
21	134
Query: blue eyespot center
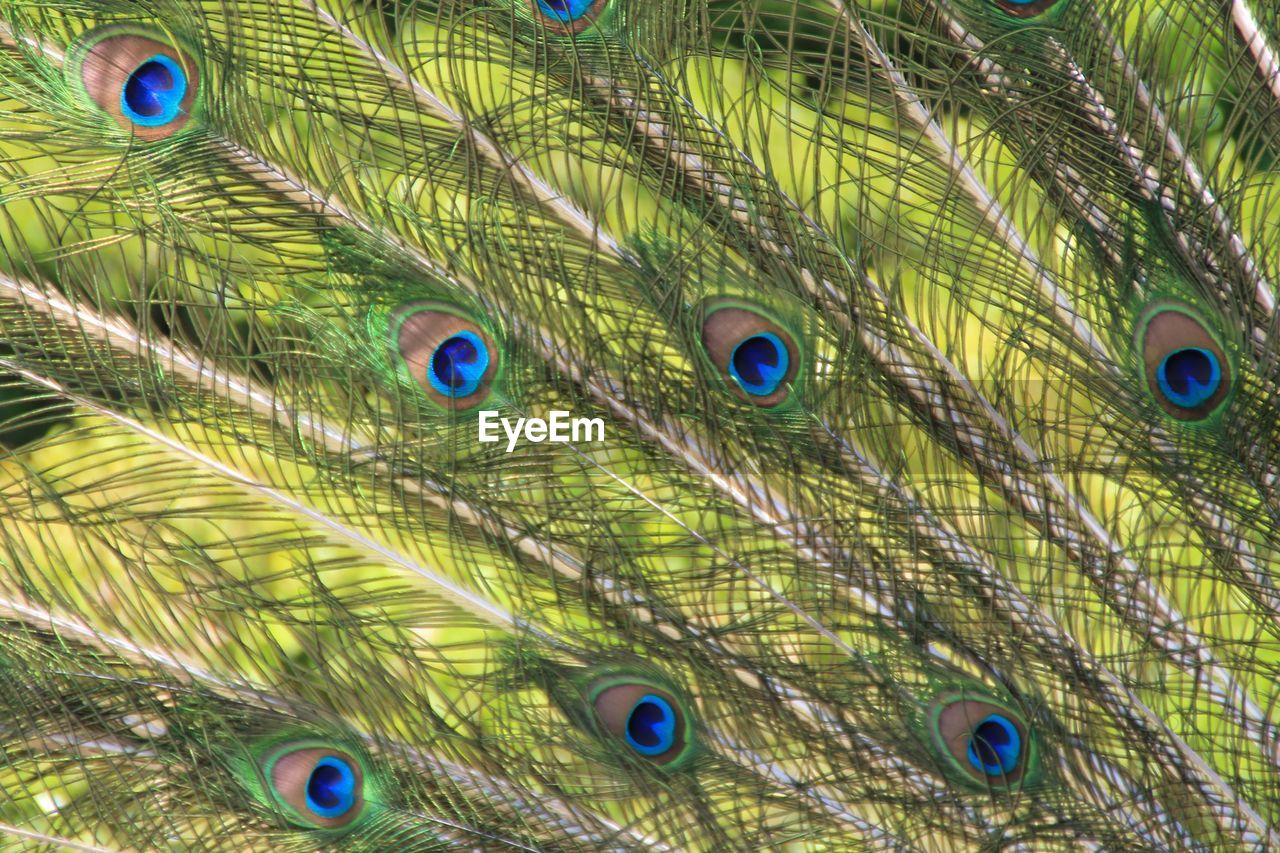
565	11
458	365
759	364
995	746
153	94
1190	376
651	726
331	788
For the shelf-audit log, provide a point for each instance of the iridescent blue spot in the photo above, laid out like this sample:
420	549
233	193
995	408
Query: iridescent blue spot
995	746
331	788
458	365
565	11
651	726
1189	376
759	364
152	96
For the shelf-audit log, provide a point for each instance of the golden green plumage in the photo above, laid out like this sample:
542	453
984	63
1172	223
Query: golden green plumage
931	343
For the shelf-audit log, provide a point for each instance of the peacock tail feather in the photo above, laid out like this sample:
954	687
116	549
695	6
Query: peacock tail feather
597	425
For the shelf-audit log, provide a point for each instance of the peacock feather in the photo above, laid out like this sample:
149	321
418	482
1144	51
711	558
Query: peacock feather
682	426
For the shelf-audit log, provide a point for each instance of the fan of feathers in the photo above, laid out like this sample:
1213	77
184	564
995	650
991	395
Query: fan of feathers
682	425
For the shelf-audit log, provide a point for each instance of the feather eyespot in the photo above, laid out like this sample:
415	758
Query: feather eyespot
756	356
452	358
568	16
318	786
995	745
1186	368
149	88
1025	8
645	717
986	742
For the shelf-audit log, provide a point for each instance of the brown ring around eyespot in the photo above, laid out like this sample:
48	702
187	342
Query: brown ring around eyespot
291	774
107	66
614	706
1025	10
725	328
420	333
956	723
1167	331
